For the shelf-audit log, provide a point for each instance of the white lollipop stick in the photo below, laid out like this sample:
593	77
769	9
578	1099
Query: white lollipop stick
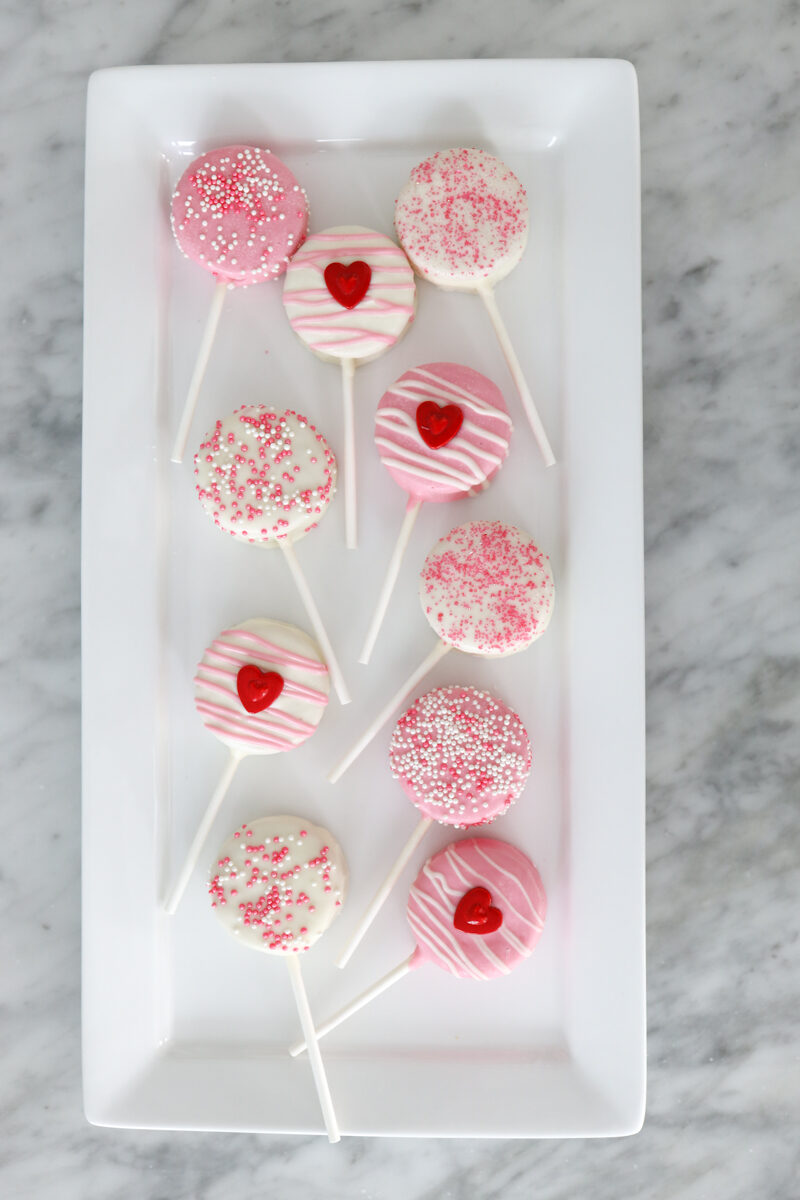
383	716
317	1065
189	863
377	902
209	333
487	296
356	1004
316	620
390	579
350	513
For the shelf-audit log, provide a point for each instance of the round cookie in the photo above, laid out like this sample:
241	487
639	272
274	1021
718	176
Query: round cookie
262	687
442	431
460	755
477	909
277	883
240	213
462	219
486	588
349	293
263	475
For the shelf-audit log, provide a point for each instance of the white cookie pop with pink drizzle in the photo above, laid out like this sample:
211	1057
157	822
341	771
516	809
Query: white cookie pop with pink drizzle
239	213
276	885
442	432
477	910
267	477
486	588
463	221
462	757
261	688
349	295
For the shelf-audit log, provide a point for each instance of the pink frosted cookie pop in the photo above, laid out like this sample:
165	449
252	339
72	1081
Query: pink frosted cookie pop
261	688
239	213
349	295
442	431
462	757
486	588
276	885
267	477
462	219
477	910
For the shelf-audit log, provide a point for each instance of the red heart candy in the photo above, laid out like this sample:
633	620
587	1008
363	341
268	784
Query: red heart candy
475	914
258	689
438	425
348	284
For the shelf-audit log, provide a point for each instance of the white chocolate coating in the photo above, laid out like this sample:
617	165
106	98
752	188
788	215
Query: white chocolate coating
269	646
462	219
277	883
376	322
262	475
486	588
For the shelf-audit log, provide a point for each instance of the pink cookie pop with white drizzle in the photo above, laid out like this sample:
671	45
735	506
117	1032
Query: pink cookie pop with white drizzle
349	295
462	757
486	588
442	431
268	477
276	885
239	213
261	688
462	219
477	910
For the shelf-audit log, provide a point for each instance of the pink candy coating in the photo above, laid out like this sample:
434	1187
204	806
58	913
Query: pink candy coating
240	213
516	889
486	588
467	462
460	755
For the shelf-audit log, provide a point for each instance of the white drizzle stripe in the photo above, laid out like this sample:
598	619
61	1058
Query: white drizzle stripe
411	389
538	923
478	942
429	473
404	422
432	932
503	931
476	878
456	390
448	470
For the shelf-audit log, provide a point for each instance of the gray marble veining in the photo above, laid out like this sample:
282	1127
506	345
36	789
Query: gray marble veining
720	98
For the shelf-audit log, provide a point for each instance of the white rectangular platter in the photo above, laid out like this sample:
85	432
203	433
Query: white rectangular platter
181	1027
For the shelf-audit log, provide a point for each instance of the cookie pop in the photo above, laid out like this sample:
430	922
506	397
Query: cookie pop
261	688
476	909
349	295
276	885
485	588
442	432
462	757
462	219
267	477
239	213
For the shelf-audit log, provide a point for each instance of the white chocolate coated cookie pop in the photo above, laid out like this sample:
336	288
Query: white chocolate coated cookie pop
277	883
486	588
263	475
462	219
262	687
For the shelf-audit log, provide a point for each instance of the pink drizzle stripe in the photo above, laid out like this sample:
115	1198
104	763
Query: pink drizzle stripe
266	718
269	732
277	653
290	686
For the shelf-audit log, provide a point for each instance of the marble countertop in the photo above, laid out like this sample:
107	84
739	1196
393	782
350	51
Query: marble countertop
720	104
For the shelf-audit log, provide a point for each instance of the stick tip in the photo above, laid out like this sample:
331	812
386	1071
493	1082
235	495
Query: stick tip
176	457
